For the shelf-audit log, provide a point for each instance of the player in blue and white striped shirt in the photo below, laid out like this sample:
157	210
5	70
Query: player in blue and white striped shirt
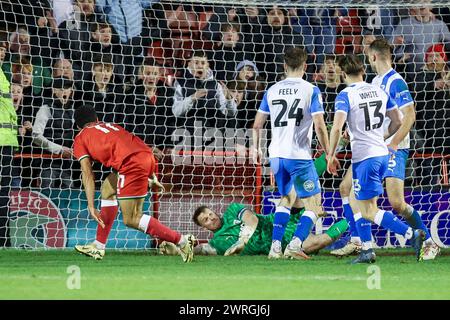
293	105
364	106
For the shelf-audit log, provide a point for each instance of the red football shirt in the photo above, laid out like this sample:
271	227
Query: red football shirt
107	143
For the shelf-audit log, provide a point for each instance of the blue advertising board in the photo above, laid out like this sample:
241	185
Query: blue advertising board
434	208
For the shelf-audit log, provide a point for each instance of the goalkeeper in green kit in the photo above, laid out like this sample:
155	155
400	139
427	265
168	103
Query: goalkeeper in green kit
241	231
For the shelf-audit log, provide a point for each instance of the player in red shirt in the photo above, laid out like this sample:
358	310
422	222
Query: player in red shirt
134	163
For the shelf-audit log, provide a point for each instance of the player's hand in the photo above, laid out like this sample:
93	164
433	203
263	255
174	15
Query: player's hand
199	94
256	154
66	152
345	135
168	249
154	183
236	248
157	153
392	148
95	214
332	164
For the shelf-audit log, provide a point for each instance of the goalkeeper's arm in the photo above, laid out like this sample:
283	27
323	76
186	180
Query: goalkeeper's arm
248	227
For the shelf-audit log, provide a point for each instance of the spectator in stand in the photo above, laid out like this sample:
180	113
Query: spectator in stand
3	52
367	38
22	166
101	43
379	21
8	144
200	100
63	68
318	27
277	35
100	88
432	87
32	78
222	15
74	34
53	131
126	16
248	73
149	107
227	53
330	86
414	35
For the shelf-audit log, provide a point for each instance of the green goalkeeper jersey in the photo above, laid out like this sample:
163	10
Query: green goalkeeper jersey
261	239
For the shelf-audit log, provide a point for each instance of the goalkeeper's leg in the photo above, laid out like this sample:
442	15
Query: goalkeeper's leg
134	218
108	213
314	243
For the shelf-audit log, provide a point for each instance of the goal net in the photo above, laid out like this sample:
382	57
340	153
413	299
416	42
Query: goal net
187	77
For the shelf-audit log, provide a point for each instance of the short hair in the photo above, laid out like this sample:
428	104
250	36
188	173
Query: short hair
105	60
230	26
351	64
295	57
62	83
84	115
330	57
199	54
197	212
381	46
100	25
238	85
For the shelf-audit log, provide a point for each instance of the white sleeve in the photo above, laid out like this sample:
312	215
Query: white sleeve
181	104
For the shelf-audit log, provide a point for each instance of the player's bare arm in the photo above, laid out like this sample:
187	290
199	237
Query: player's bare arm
409	117
248	227
396	121
258	125
335	134
321	131
89	187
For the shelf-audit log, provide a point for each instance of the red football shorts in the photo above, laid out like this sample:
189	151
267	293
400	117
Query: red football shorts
134	174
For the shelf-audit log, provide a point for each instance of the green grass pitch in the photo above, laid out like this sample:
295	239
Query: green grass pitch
143	275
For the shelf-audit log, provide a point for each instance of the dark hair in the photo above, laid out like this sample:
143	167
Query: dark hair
381	46
197	212
351	64
103	60
331	57
99	26
200	54
62	83
84	115
295	57
230	26
238	85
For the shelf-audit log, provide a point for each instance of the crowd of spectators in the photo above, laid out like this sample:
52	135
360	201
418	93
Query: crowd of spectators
158	66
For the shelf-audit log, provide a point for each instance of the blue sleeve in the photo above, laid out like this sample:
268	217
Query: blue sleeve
100	4
390	104
400	93
342	103
316	101
264	106
146	3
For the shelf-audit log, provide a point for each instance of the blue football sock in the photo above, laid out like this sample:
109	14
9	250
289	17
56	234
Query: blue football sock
387	220
364	228
280	222
415	221
305	224
348	214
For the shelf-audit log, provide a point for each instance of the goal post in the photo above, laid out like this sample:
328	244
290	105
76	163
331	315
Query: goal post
189	80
